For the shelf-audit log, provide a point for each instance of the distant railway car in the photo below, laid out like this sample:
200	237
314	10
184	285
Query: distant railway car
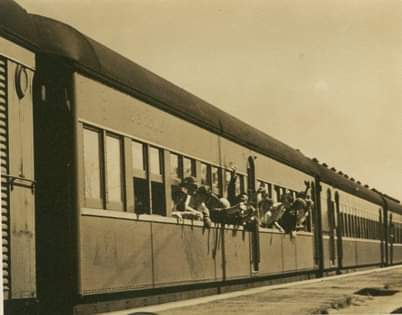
93	148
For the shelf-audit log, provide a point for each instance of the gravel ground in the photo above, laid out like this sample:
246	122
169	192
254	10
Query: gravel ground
331	296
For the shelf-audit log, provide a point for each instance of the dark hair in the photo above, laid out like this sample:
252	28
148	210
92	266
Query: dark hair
301	194
205	190
287	197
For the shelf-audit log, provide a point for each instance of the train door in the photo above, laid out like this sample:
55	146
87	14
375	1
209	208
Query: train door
251	177
380	235
17	176
332	229
255	236
339	231
391	236
317	223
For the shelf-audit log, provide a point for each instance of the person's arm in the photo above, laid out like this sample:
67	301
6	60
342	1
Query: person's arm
232	188
188	208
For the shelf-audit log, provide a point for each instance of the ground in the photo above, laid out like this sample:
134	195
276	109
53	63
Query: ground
334	295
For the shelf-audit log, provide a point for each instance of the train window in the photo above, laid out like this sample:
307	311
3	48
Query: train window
216	180
139	157
92	167
350	225
155	161
269	189
158	198
226	183
141	195
205	174
367	228
239	184
114	172
175	166
370	229
358	227
373	235
277	193
188	167
140	180
175	177
261	185
156	181
345	224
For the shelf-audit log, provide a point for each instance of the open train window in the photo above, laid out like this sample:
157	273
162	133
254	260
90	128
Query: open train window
278	193
175	167
176	171
93	171
206	174
239	184
216	180
141	195
188	167
140	179
228	175
156	169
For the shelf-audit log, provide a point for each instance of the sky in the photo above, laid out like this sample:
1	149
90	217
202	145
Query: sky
322	76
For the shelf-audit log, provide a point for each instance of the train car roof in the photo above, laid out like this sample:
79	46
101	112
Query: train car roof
89	57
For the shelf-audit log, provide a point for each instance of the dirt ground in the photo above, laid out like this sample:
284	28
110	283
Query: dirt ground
339	295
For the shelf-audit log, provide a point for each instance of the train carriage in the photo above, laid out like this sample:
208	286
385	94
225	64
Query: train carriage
17	68
93	148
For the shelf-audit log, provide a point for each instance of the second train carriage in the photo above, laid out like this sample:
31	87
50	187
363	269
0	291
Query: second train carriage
112	141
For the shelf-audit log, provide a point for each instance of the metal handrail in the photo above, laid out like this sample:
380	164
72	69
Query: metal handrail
12	181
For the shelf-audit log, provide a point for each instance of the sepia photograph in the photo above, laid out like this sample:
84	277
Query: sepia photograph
210	157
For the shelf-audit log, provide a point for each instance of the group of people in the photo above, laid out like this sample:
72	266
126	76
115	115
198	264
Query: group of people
287	215
200	203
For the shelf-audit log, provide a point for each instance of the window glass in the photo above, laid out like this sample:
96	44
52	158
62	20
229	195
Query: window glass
158	198
114	168
261	186
226	182
155	160
205	174
239	184
141	195
92	162
269	188
188	167
216	181
174	165
138	156
278	193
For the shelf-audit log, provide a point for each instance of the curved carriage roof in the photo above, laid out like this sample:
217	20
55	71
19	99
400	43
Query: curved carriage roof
48	36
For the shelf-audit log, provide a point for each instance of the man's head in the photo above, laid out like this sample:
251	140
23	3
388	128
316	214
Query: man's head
301	194
243	197
189	184
204	192
287	198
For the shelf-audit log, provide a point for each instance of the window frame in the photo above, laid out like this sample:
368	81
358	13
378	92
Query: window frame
95	203
114	205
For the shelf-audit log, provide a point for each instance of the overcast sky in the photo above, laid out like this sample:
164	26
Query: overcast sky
321	76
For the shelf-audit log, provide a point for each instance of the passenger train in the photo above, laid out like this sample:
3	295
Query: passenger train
92	146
